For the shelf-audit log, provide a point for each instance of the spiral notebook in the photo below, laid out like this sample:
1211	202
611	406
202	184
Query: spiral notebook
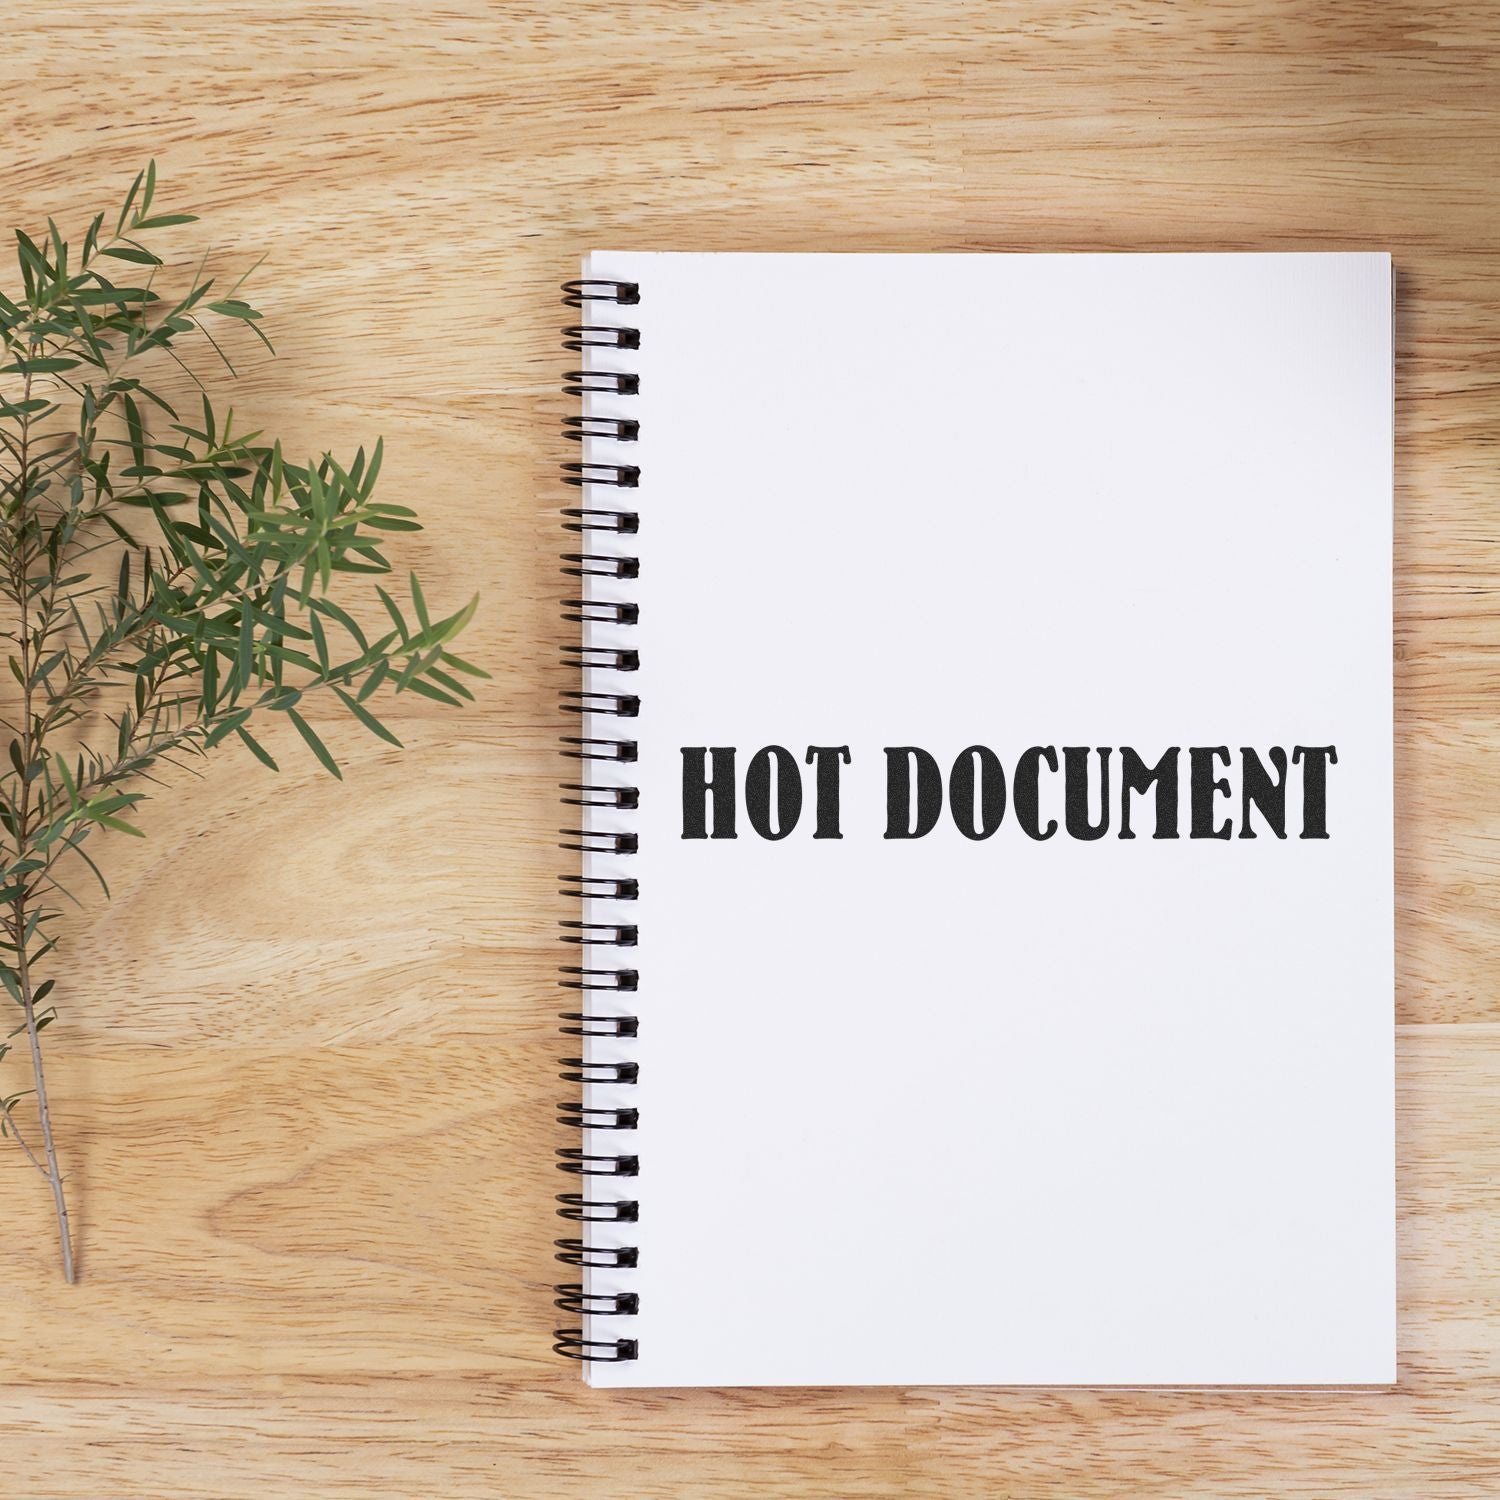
980	786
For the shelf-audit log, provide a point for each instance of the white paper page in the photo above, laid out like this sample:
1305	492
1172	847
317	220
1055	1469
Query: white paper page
946	1110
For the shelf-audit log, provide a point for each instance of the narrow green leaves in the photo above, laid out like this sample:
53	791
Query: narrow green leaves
39	365
132	253
314	744
366	718
118	824
233	308
258	750
419	603
176	572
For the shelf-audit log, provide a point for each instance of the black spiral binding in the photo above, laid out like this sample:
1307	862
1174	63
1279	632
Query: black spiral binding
591	970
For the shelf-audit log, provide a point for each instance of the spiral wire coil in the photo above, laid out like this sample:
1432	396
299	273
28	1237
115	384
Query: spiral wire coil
596	968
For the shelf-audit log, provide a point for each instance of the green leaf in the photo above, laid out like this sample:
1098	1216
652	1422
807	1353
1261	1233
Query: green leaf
25	408
466	667
378	520
117	824
372	473
320	641
125	207
235	309
98	873
314	744
68	782
244	652
394	613
449	684
258	750
59	249
41	365
378	675
132	253
35	271
118	530
137	432
209	670
445	630
368	719
426	690
115	296
225	726
333	611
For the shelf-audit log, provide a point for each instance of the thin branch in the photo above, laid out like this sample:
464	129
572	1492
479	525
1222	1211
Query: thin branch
20	563
15	1130
44	1113
231	605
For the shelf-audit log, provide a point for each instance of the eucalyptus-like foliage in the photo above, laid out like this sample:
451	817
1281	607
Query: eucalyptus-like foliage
166	581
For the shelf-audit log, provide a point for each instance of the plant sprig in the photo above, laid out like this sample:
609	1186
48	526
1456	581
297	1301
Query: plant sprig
168	579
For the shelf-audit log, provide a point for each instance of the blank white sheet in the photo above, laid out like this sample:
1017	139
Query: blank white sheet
1007	1111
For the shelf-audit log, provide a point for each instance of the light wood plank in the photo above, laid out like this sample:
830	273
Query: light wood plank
305	1080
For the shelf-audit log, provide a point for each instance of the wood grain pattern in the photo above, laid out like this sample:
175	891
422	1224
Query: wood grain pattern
304	1083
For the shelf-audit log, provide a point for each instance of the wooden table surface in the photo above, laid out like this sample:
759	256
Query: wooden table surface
304	1075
